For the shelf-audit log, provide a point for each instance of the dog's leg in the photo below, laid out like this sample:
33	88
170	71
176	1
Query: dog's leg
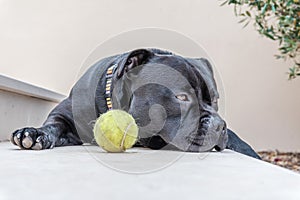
237	144
58	130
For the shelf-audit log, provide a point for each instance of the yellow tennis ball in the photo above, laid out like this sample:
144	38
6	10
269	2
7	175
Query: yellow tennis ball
115	131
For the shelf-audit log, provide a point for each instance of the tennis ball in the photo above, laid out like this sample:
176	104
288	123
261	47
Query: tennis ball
115	131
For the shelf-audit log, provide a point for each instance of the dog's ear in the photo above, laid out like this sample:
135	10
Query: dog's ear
205	70
132	60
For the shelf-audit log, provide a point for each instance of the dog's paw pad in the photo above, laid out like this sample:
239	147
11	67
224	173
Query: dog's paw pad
17	139
38	144
27	141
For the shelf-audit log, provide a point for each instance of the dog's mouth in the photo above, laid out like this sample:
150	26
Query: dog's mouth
192	143
195	140
207	142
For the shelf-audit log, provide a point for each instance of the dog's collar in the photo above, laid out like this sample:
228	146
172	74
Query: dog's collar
108	85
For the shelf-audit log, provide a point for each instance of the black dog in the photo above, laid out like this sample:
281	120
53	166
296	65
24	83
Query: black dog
173	100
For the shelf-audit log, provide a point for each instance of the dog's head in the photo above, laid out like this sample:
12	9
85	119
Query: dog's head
173	100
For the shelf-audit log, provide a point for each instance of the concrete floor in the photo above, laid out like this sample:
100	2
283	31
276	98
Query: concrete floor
86	172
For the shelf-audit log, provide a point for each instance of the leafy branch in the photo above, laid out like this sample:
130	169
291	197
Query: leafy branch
277	20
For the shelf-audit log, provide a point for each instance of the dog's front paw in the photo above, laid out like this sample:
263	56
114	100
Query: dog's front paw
32	138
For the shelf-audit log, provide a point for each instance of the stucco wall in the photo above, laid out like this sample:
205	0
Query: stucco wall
45	43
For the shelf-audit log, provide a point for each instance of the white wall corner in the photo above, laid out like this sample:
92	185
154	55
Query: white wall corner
23	104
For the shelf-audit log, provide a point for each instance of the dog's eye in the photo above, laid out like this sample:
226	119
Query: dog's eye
182	97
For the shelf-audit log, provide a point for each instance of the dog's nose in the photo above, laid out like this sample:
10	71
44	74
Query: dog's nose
213	123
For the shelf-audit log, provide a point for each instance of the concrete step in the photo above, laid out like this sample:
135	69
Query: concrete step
87	172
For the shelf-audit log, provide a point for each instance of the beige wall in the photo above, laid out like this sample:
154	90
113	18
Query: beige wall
34	112
44	42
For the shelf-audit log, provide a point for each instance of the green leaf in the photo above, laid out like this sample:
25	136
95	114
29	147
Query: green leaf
264	8
246	24
258	5
225	2
259	24
292	70
269	36
242	20
279	57
273	8
248	13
